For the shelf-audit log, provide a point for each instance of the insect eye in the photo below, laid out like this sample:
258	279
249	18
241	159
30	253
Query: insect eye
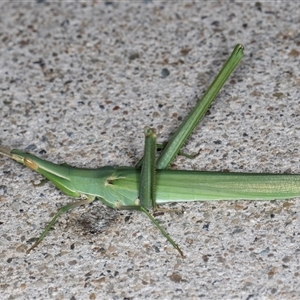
30	164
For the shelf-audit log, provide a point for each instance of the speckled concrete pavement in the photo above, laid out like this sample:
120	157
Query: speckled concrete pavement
78	83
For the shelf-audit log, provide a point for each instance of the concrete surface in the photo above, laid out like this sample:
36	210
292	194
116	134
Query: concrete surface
80	80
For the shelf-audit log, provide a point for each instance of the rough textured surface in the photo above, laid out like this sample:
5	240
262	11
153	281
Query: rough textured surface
78	83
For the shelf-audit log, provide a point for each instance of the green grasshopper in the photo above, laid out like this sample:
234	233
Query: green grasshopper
154	184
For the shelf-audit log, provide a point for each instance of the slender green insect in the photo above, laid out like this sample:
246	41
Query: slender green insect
153	184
